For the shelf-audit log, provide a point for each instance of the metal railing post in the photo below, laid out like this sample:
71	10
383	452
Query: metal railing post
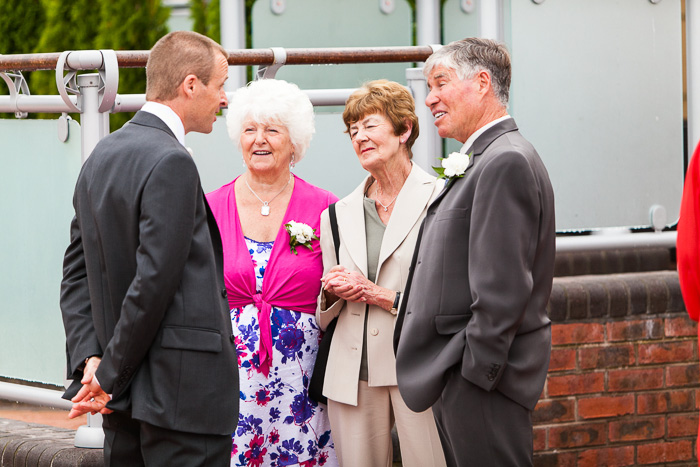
428	22
233	25
428	146
491	20
92	120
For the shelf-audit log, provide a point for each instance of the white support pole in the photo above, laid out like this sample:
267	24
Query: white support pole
92	121
428	22
95	126
428	146
233	37
692	34
491	19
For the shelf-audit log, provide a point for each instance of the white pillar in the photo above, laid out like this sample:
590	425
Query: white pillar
491	19
428	147
428	22
233	37
92	121
692	29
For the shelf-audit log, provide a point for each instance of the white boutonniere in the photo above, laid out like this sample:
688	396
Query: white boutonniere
300	234
453	165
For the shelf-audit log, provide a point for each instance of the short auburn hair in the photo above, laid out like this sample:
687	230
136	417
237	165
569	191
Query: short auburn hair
389	98
176	55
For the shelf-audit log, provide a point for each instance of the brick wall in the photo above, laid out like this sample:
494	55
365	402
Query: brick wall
623	380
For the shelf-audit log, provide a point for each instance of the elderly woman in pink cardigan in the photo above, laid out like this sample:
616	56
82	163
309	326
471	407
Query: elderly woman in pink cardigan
269	224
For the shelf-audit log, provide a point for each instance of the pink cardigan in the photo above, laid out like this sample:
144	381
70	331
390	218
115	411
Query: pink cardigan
292	282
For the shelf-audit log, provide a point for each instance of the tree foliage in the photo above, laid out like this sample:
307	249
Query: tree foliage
130	25
69	26
19	22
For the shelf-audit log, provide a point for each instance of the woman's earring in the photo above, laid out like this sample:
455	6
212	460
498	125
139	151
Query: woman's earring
291	164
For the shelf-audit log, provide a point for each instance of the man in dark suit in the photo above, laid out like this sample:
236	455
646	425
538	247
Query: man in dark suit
148	334
473	339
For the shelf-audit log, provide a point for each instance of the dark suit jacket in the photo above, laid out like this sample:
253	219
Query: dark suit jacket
481	278
143	284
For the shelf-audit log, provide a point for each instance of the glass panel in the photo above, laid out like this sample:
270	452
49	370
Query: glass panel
38	177
597	89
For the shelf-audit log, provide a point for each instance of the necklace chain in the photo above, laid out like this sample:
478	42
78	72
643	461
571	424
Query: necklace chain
386	207
265	208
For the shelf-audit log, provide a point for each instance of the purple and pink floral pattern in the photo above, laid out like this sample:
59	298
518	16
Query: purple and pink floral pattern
278	424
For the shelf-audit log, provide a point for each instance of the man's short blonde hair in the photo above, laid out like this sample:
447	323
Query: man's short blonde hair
176	55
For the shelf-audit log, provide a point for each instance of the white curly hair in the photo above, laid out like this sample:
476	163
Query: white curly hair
273	101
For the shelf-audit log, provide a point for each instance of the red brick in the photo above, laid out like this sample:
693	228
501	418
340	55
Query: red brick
663	402
681	326
567	385
600	407
606	456
539	439
637	429
608	356
554	410
555	459
562	359
666	352
635	379
680	426
577	435
682	375
658	453
635	330
577	333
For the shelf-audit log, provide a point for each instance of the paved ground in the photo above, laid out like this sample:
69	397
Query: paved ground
43	415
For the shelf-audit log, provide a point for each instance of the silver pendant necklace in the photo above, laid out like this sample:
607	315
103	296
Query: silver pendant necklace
386	208
265	208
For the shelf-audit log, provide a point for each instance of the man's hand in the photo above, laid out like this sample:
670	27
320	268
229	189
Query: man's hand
91	398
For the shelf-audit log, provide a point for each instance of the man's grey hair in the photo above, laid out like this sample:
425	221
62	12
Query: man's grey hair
472	55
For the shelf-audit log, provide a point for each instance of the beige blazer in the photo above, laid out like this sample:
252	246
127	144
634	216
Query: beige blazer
343	370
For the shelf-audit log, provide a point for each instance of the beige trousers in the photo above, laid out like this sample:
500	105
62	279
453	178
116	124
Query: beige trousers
362	434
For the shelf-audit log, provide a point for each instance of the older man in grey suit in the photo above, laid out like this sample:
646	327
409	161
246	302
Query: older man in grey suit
144	305
473	339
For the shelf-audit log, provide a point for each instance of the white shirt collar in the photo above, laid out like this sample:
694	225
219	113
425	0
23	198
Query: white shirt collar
468	143
169	117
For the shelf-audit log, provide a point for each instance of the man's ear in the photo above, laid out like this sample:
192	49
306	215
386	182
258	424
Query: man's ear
187	87
484	80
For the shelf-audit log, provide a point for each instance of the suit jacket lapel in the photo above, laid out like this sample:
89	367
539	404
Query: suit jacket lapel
479	146
414	195
351	226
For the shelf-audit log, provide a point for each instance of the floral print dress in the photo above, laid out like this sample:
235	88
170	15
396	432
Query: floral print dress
278	424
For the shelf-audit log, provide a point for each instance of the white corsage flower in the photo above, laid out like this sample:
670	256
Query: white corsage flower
300	234
453	165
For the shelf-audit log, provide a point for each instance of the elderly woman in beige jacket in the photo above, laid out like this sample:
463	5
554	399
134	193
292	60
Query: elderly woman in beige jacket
378	225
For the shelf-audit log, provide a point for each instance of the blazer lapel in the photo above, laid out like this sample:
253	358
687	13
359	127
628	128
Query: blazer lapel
414	196
351	226
478	147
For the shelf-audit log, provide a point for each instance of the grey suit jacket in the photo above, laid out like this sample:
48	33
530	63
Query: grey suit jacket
143	284
481	278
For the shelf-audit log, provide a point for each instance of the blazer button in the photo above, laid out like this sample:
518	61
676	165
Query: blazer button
233	338
224	293
374	331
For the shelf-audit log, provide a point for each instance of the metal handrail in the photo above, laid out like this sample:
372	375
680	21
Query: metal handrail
298	56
